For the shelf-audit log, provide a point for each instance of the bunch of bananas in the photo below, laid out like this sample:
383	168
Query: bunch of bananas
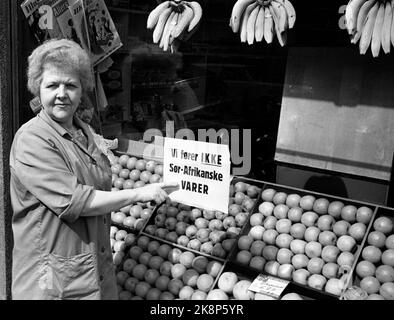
370	22
171	20
258	20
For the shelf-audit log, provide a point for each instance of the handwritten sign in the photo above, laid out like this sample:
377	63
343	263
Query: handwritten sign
202	170
268	285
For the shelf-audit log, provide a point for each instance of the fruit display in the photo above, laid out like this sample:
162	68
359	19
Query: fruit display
171	20
307	239
154	270
256	20
120	240
374	272
369	22
130	172
206	231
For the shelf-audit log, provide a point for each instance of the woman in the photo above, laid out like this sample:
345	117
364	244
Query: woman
60	185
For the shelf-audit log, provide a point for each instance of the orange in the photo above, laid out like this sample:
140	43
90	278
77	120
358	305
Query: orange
268	194
372	254
388	257
365	269
243	257
244	242
383	224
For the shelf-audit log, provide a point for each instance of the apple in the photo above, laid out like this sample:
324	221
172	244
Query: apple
341	227
293	200
268	194
377	239
180	228
191	231
285	271
387	290
335	208
194	244
370	285
234	209
160	220
183	240
295	214
330	270
233	232
239	197
252	191
257	262
297	246
279	198
297	230
220	215
280	211
241	218
330	253
241	290
227	281
357	231
384	225
309	218
317	281
228	222
325	222
218	251
327	238
390	242
348	213
315	265
300	276
346	259
240	186
334	286
270	252
256	219
206	247
195	214
256	249
271	267
320	206
201	223
161	232
203	234
346	243
283	225
311	234
372	254
291	296
283	240
270	222
313	249
299	261
215	224
364	215
257	232
306	202
284	256
269	236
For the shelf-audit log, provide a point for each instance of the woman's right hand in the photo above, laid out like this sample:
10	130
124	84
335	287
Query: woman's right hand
157	192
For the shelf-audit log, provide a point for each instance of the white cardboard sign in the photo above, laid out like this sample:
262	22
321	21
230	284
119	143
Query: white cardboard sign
202	170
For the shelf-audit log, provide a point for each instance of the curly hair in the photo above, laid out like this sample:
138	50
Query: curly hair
61	53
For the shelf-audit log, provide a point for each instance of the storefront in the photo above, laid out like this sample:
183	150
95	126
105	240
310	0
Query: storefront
311	118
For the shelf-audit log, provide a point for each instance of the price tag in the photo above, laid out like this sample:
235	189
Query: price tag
268	285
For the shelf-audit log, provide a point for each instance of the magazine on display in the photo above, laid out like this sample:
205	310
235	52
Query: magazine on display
30	9
64	18
79	22
103	37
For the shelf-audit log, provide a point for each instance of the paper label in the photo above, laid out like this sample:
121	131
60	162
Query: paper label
202	171
268	285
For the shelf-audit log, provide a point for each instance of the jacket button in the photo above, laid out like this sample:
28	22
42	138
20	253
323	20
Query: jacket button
101	278
102	249
105	220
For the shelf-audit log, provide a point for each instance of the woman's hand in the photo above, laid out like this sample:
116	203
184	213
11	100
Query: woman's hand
157	192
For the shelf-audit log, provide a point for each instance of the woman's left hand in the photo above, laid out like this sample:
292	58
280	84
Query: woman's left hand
157	192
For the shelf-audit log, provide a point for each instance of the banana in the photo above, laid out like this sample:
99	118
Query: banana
259	27
279	35
250	27
166	35
173	24
281	13
268	26
245	17
377	31
351	13
366	35
185	17
362	15
155	14
237	11
392	24
291	14
386	29
158	32
197	14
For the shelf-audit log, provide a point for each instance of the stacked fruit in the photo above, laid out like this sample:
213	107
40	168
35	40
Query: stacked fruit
262	19
370	22
120	241
207	231
376	266
171	20
310	241
131	172
133	217
158	271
